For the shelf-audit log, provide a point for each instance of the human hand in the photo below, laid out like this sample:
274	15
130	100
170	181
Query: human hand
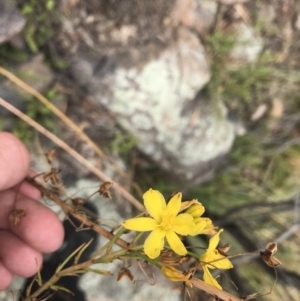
39	231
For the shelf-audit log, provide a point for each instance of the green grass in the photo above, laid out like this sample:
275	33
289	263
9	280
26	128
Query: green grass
255	171
41	16
8	53
121	143
40	113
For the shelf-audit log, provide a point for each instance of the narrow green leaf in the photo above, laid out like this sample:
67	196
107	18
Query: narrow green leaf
81	251
99	271
61	288
68	258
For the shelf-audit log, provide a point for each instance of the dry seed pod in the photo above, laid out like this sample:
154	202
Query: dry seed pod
51	155
55	191
15	216
268	255
224	249
183	260
78	202
124	272
271	247
52	176
103	190
191	271
167	258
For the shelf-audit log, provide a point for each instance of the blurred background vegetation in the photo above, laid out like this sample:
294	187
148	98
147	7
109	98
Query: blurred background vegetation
255	193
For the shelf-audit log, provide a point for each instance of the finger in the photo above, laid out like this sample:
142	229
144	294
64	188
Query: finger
18	258
28	190
14	160
6	277
40	227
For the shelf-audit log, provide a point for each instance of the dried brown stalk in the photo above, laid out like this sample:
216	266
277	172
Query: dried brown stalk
66	120
213	290
74	212
72	152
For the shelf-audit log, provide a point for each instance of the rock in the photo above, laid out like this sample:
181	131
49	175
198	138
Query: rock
266	13
297	23
156	102
247	45
232	2
195	14
148	75
11	21
12	97
36	73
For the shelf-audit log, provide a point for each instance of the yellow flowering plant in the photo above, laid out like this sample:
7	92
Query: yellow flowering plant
175	275
167	222
164	222
203	225
212	259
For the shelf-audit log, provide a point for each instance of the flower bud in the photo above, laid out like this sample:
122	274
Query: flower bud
195	210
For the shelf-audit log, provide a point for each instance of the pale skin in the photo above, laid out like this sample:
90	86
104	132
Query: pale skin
39	231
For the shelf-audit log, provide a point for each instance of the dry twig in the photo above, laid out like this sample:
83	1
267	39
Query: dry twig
73	153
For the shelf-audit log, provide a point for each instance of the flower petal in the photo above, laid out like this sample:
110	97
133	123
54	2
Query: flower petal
205	257
154	243
214	241
155	203
175	243
203	225
200	224
217	260
183	224
223	264
140	224
174	274
208	278
187	204
195	210
173	207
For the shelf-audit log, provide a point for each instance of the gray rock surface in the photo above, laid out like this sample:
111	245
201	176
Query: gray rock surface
144	62
36	74
248	45
156	101
11	21
195	14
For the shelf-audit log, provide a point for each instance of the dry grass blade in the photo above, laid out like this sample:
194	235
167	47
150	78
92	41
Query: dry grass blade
72	152
52	107
118	241
65	119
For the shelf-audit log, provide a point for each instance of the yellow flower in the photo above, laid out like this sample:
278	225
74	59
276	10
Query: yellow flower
217	260
195	210
164	222
175	275
203	225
